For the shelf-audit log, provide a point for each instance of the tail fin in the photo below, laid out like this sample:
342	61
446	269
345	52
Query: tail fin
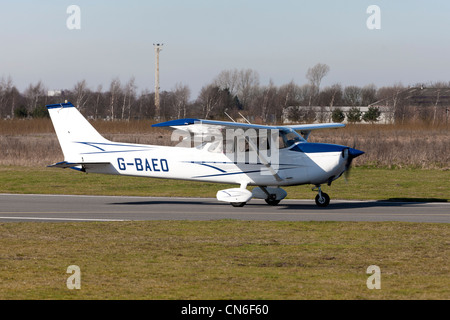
75	134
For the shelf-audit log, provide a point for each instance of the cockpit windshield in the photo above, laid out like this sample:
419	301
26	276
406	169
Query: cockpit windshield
288	139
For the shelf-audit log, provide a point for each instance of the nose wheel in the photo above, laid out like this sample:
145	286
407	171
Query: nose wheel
322	199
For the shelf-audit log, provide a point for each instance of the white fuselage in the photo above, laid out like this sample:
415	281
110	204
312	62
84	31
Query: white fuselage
198	164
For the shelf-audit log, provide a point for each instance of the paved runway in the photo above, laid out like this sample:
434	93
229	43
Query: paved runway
107	208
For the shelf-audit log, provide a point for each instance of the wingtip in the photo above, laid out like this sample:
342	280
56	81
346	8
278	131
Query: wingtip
177	122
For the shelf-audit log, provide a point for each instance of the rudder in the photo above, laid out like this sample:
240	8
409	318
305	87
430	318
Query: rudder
74	132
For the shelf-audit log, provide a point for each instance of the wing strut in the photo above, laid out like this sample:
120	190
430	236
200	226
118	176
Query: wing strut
264	160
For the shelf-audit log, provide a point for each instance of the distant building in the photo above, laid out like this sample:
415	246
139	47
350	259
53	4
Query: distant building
421	96
405	104
54	93
420	103
315	114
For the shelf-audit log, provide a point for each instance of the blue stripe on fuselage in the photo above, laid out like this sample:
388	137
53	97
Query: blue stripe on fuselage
317	147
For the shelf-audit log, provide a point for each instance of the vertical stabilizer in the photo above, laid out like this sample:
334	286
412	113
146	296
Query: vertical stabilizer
75	134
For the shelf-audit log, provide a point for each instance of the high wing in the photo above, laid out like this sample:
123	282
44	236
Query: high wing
205	126
200	126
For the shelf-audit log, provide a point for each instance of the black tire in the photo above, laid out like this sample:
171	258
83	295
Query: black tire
272	202
238	204
324	201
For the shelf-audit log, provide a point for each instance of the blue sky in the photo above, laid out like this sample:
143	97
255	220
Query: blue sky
279	39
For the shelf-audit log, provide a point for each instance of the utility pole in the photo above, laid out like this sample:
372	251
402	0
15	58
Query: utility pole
158	48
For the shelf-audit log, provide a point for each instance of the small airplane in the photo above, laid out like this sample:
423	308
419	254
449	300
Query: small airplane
243	154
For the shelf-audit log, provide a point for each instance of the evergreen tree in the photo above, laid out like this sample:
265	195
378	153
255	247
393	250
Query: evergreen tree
372	115
337	115
354	115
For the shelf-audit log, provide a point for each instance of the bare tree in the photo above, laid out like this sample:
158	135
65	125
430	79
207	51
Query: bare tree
98	97
331	96
353	96
32	95
181	95
306	92
242	83
129	92
288	95
317	73
248	82
209	99
81	92
438	94
266	102
6	89
227	79
115	90
146	104
391	97
368	94
315	76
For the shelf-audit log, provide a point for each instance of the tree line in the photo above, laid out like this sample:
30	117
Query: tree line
231	92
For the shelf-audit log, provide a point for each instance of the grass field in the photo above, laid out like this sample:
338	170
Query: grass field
363	184
224	260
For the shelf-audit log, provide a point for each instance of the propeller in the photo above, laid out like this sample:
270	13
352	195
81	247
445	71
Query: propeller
350	154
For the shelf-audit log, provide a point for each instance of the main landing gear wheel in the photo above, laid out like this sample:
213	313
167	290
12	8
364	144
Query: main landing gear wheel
272	199
272	202
238	204
323	201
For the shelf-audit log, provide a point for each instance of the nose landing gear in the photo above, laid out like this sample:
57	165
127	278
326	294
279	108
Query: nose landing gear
322	199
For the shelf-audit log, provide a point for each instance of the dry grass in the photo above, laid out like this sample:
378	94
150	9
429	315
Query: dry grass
419	146
33	142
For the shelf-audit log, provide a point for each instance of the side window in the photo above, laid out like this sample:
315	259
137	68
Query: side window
281	141
288	139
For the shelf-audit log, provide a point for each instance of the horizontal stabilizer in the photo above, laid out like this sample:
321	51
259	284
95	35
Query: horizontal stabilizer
65	164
